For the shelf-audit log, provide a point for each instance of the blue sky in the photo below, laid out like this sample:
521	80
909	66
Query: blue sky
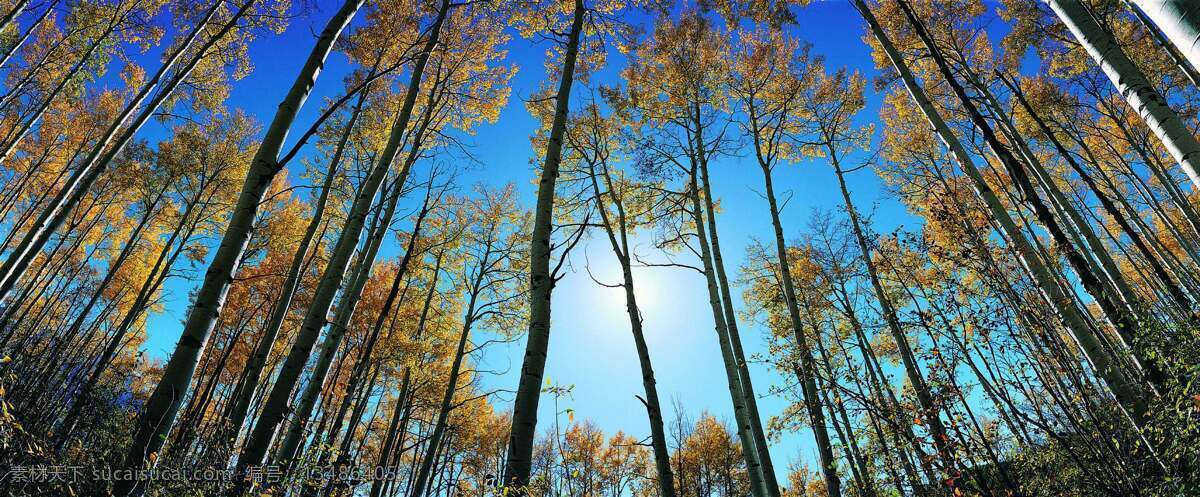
591	346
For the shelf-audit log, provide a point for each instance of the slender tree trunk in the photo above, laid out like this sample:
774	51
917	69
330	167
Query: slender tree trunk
163	404
278	402
1179	20
12	49
807	371
386	462
1130	395
1178	297
107	147
11	16
303	409
951	376
620	247
837	410
929	410
439	427
519	462
770	482
283	302
200	402
1132	83
732	376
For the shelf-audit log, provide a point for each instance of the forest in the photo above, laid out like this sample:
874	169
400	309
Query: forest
312	248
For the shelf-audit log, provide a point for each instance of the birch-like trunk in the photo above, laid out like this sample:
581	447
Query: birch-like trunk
275	406
618	238
1179	20
288	450
1132	84
1130	395
732	375
12	49
519	461
770	483
807	371
118	134
163	404
10	17
244	393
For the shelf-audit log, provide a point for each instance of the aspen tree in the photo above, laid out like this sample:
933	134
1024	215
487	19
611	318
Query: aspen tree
1132	84
262	434
519	462
623	205
769	81
1129	394
162	407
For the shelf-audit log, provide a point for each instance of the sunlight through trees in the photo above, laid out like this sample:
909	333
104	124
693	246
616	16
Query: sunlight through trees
349	290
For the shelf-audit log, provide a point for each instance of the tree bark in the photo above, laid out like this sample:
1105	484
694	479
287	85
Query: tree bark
1132	83
106	149
1179	299
519	461
770	482
8	52
807	371
732	376
163	404
1129	394
283	302
303	409
1179	20
618	238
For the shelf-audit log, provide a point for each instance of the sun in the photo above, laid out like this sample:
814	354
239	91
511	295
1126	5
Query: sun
647	288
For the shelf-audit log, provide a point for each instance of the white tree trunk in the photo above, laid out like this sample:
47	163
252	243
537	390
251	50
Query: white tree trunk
1129	394
276	406
1131	83
163	405
1180	21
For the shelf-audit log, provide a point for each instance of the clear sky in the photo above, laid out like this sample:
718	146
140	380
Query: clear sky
591	346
